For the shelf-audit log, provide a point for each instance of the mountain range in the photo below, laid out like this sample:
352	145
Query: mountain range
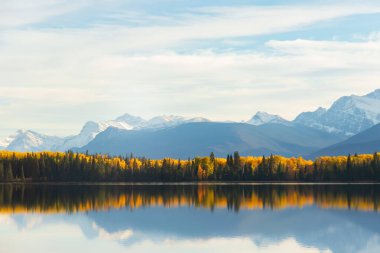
202	138
27	140
310	133
348	115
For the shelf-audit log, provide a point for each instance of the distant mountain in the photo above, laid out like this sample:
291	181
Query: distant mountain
199	139
168	121
133	121
367	141
4	143
26	140
91	129
261	118
348	115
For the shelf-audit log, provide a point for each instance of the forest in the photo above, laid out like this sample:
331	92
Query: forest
77	167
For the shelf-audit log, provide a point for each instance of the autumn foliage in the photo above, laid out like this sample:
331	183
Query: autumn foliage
69	166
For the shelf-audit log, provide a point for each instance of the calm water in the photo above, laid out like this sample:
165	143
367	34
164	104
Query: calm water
190	218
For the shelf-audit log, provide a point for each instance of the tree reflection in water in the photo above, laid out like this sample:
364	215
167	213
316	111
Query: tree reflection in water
76	198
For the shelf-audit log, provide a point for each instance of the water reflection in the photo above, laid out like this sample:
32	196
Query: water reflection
191	218
75	198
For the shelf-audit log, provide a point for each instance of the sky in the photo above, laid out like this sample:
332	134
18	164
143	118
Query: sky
65	62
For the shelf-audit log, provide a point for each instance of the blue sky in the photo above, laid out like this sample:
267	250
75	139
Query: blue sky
65	62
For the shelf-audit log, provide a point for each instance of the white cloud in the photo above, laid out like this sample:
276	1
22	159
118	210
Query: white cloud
240	244
118	236
15	13
224	82
373	36
101	71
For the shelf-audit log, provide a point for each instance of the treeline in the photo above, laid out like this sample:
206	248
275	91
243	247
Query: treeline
69	166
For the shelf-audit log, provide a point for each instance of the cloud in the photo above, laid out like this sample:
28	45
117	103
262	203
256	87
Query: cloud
373	36
243	244
118	236
215	83
96	71
16	13
4	101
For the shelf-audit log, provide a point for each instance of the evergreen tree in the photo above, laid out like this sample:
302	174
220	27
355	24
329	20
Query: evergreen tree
349	168
212	157
79	167
1	171
9	173
376	166
270	167
22	175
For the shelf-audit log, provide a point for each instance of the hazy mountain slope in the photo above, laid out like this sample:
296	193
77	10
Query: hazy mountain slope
201	138
349	115
367	141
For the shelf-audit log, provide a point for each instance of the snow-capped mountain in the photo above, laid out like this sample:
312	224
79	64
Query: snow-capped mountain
131	120
91	129
4	143
261	118
169	121
26	140
349	114
200	139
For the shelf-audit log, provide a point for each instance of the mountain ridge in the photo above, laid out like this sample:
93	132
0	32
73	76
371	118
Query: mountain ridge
348	115
367	141
202	138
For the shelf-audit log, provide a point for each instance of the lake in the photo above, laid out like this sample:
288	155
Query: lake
190	218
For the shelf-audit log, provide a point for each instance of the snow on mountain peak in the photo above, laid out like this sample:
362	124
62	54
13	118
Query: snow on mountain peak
90	130
126	122
169	121
166	118
261	118
130	119
348	115
90	126
27	140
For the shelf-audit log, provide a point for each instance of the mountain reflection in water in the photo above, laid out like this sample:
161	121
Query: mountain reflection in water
190	218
